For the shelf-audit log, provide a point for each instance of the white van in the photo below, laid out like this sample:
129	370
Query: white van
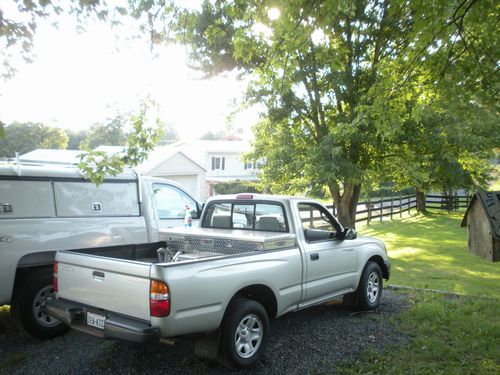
45	208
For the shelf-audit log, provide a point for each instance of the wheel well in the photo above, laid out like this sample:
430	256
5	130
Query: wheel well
262	294
378	259
33	262
21	273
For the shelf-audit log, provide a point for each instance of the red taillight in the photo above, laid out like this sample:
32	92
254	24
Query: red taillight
159	299
55	284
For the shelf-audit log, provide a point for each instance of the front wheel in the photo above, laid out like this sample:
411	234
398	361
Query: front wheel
244	333
370	287
32	290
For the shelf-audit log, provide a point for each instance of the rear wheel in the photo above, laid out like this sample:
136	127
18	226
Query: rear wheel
244	333
32	290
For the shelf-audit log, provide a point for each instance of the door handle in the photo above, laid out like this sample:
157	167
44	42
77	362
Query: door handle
314	256
98	276
348	249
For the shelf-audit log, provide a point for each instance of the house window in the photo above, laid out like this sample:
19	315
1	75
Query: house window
249	165
218	162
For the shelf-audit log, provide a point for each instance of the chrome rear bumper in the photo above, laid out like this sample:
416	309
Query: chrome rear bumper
115	326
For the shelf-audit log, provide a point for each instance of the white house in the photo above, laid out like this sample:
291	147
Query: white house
200	164
222	160
176	165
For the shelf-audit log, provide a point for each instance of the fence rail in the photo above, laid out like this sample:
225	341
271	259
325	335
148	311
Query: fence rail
374	209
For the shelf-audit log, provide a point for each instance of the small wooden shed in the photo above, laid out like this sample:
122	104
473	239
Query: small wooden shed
482	220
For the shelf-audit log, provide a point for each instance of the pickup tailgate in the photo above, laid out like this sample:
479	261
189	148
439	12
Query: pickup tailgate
115	285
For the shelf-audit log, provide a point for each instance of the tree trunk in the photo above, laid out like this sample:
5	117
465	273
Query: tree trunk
346	203
421	201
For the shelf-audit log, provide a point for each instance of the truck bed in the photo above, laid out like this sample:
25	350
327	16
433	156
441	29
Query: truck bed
98	277
136	252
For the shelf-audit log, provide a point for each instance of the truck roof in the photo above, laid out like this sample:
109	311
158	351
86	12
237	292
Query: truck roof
254	196
19	170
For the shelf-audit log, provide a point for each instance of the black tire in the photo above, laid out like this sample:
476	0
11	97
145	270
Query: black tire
242	316
370	287
26	306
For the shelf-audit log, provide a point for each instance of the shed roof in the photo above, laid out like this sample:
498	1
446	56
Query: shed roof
490	201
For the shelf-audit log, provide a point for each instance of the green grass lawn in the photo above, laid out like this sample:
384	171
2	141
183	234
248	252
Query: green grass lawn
448	334
431	252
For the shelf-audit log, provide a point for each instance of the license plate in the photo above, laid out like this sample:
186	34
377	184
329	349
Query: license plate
95	320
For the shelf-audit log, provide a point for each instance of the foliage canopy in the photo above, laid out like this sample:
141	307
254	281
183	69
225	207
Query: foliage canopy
346	84
26	137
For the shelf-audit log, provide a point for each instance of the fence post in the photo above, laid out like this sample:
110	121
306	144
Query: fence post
409	208
381	208
392	205
369	217
400	206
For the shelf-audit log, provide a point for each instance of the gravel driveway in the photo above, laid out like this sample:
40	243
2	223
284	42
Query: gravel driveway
309	341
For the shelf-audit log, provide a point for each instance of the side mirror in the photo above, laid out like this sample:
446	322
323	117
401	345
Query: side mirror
199	209
350	234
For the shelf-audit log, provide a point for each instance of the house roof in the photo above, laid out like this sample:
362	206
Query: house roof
112	150
51	156
160	155
200	147
490	201
55	156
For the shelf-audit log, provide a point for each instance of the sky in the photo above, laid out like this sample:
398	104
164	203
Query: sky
78	79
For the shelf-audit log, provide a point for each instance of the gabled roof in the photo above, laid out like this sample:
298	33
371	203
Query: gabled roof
490	201
160	155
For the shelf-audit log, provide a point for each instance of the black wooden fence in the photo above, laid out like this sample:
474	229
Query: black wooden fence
377	209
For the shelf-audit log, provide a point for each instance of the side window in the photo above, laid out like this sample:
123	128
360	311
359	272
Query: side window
249	216
317	223
171	202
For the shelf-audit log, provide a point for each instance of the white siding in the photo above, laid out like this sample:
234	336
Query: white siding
233	167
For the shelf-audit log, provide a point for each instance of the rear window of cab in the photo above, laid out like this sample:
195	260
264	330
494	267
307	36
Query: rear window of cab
260	216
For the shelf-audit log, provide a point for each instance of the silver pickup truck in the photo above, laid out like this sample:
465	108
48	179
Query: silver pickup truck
254	257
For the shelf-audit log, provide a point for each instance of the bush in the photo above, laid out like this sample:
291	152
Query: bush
236	187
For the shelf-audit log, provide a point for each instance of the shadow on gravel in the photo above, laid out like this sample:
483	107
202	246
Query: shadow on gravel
308	341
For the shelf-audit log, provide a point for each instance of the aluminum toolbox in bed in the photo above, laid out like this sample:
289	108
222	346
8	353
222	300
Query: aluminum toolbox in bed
203	242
